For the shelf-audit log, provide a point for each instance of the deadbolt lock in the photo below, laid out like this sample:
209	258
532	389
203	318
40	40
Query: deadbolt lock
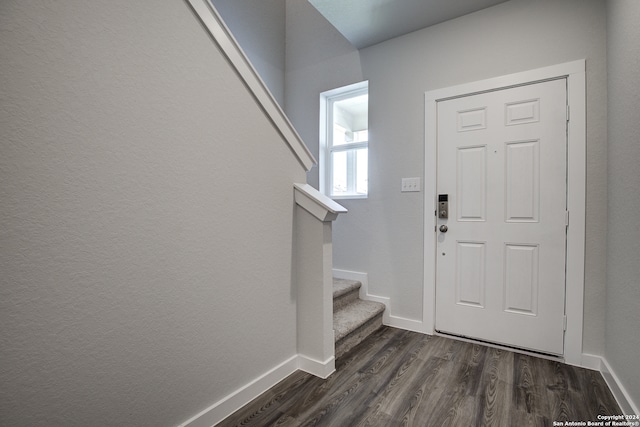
443	206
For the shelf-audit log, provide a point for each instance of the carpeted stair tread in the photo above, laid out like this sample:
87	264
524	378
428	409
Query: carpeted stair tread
344	286
352	316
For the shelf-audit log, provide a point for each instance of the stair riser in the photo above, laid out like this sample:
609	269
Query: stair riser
343	300
357	336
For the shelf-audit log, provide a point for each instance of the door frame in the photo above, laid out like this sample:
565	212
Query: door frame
576	190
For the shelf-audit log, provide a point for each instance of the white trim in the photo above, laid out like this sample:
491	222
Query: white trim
576	204
316	203
236	400
623	398
591	361
216	27
576	190
314	367
407	324
220	410
598	363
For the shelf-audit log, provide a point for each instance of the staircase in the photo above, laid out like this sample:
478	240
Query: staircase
353	318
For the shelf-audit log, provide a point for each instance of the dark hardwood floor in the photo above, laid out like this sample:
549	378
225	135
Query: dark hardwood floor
401	378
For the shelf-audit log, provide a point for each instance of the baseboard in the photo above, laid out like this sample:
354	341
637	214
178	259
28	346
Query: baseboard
623	398
314	367
591	361
406	324
598	363
236	400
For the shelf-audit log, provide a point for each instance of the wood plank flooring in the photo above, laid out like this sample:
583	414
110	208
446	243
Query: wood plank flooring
402	378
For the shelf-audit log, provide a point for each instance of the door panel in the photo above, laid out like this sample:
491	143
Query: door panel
470	275
471	169
522	181
500	268
521	279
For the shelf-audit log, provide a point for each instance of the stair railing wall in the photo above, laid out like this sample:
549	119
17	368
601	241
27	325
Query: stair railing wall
313	279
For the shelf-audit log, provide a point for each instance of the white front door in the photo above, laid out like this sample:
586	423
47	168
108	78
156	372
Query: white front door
500	269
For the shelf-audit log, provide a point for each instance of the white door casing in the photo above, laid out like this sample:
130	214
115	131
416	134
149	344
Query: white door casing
576	187
500	265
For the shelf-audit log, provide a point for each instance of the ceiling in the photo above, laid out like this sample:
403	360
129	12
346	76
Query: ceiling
367	22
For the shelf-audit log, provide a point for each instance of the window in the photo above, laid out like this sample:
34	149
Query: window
344	142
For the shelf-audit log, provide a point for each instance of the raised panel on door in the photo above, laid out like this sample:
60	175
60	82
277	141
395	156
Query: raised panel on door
470	274
474	119
471	171
522	181
521	279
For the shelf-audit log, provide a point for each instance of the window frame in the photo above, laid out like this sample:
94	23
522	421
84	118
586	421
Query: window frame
327	99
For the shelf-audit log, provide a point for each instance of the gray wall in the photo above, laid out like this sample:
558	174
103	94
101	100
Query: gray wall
383	235
623	268
145	230
259	28
318	58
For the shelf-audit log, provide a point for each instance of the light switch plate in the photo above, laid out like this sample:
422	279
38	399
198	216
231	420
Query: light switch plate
410	184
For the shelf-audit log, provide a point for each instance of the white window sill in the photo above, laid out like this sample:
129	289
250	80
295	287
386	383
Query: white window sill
350	196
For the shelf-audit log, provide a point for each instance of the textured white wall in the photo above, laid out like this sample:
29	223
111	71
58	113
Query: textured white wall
382	235
145	229
623	269
259	28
